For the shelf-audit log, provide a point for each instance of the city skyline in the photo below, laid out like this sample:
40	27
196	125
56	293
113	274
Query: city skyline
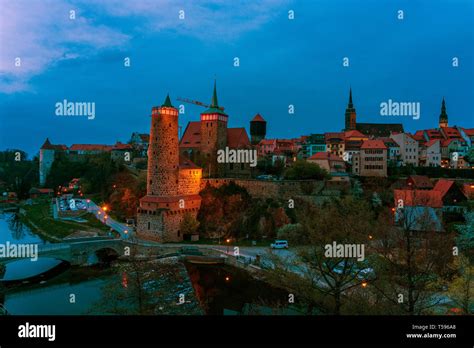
282	62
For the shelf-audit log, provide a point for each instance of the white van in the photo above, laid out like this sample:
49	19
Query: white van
279	244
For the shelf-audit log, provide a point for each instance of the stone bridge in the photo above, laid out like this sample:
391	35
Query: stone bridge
90	251
84	251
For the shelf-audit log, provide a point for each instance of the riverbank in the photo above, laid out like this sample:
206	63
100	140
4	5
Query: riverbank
38	217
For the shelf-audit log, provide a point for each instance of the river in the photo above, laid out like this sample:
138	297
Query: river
169	287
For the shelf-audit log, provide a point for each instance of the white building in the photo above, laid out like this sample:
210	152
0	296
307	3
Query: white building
408	148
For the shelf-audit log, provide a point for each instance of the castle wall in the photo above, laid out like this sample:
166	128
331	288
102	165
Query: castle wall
271	189
189	181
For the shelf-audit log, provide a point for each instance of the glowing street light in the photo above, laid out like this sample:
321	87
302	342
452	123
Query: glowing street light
364	284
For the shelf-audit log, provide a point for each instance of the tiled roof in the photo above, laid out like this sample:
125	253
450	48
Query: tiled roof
389	142
410	198
48	146
431	142
90	147
334	135
237	137
354	134
434	134
421	181
373	144
185	163
325	156
451	132
192	135
379	129
267	142
446	142
120	146
258	118
419	135
469	131
443	186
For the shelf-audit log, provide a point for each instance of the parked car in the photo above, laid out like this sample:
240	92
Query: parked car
279	244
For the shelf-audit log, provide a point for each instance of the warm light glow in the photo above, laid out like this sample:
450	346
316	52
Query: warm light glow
105	217
370	237
227	278
125	231
393	209
88	201
228	240
104	208
99	213
364	284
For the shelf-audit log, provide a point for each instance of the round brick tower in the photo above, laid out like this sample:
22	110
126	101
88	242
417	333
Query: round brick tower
163	154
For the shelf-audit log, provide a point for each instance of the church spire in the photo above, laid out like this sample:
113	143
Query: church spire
443	117
350	116
214	103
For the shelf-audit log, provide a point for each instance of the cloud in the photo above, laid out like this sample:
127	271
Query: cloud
41	33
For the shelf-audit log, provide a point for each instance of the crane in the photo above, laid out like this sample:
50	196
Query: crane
195	102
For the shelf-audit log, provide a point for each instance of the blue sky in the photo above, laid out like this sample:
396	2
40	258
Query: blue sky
282	62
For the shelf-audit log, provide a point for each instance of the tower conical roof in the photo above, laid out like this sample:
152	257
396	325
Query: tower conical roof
214	102
443	117
214	108
350	105
167	102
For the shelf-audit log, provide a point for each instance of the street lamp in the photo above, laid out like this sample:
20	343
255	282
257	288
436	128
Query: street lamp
228	241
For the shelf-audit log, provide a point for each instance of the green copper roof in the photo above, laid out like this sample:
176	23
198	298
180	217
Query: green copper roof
214	103
214	107
167	102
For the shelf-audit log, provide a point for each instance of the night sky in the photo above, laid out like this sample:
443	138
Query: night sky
282	62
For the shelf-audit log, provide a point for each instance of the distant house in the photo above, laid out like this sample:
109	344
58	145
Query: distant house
328	161
372	159
335	143
418	210
451	195
393	150
409	148
122	152
140	142
419	182
333	164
